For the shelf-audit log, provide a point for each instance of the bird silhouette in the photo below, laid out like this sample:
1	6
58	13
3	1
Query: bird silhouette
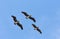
16	22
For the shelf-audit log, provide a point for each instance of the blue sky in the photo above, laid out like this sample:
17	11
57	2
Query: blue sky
46	13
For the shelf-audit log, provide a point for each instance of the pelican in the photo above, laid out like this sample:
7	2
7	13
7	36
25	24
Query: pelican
28	16
16	22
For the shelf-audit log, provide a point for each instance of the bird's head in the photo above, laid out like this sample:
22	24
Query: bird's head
30	15
35	28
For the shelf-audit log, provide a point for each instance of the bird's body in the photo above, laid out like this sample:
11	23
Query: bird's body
36	28
28	16
16	22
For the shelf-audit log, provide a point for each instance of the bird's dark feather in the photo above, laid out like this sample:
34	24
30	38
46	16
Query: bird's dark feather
32	19
25	13
20	25
14	18
34	26
39	30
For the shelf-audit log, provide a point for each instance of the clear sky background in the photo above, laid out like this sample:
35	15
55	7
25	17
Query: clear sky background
46	13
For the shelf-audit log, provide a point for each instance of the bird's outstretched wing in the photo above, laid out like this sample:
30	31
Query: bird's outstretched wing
14	18
25	13
20	25
32	18
39	31
34	26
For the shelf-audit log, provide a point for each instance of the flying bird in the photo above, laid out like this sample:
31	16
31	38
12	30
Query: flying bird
28	16
36	28
16	22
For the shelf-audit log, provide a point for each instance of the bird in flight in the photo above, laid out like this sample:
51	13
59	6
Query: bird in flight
36	28
28	16
16	22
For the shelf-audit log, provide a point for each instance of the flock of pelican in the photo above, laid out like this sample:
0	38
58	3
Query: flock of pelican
16	22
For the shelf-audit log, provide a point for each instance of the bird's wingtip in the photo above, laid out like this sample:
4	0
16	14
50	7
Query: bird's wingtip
32	24
21	28
21	11
12	16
